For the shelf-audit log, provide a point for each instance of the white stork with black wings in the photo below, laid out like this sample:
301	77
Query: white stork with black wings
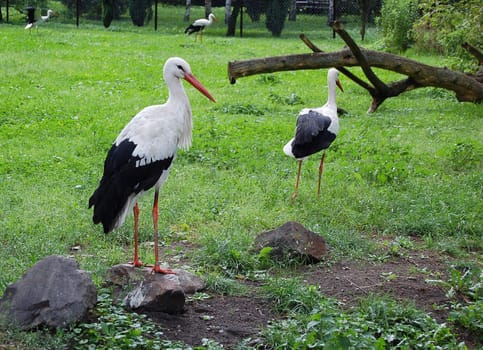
199	26
316	129
142	155
41	20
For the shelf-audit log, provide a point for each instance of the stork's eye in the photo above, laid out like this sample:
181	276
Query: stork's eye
180	67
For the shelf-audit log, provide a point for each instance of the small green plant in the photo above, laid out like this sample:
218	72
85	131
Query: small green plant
464	288
222	285
464	156
389	276
270	79
290	295
378	323
292	99
465	282
264	257
237	108
469	317
115	328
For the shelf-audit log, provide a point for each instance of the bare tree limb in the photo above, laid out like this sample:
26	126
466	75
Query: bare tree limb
366	68
474	51
343	70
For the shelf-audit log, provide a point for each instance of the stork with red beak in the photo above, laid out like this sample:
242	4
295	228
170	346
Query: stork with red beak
316	129
199	26
142	154
41	20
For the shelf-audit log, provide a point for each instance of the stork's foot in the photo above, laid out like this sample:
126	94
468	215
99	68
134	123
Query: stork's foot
136	263
159	269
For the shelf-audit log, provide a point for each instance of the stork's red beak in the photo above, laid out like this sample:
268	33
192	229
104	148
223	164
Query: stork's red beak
339	85
190	78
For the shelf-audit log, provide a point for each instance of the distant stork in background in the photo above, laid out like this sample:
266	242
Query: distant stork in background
199	25
32	23
141	156
316	129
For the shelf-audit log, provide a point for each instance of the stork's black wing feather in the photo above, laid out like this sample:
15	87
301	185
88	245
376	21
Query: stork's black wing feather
124	175
309	126
311	134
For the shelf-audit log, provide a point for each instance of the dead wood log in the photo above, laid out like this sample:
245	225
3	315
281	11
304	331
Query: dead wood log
466	88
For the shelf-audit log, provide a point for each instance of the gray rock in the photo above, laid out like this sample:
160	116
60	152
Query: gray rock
153	292
292	240
53	293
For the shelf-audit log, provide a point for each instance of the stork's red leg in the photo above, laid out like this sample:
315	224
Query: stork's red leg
136	261
157	267
321	169
297	182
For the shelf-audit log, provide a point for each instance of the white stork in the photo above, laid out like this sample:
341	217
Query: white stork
42	19
141	156
316	129
199	25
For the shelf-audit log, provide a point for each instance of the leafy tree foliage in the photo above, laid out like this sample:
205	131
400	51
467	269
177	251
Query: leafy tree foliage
445	25
440	26
397	19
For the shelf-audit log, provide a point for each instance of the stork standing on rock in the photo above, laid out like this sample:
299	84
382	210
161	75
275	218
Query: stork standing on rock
199	25
142	154
316	129
42	19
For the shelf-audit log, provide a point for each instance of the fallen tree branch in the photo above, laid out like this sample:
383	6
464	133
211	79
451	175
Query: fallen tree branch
466	88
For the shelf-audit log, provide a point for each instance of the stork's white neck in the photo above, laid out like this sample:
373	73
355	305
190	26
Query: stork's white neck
176	90
178	103
210	18
331	98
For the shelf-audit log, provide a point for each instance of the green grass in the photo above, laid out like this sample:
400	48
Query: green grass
412	168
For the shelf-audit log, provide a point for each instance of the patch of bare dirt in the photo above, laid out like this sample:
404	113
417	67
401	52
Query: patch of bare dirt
227	320
402	278
231	319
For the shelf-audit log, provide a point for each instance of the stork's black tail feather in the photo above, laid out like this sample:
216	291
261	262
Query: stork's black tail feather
108	202
192	29
123	180
112	194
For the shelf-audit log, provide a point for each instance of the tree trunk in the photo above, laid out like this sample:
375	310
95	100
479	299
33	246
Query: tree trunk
292	12
232	21
227	11
365	6
467	88
187	11
207	8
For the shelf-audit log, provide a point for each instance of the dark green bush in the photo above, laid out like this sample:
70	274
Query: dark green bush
140	11
276	13
92	9
396	21
107	12
444	26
